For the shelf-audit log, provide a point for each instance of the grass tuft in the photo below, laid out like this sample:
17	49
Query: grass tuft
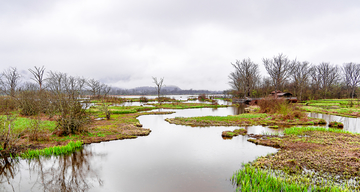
251	178
303	130
57	150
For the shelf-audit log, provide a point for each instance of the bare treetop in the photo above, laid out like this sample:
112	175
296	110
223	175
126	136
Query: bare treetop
159	85
245	77
10	80
327	75
352	76
38	74
300	75
279	68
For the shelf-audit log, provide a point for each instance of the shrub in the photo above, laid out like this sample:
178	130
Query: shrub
280	106
29	102
35	128
7	104
9	135
202	97
143	99
73	117
105	108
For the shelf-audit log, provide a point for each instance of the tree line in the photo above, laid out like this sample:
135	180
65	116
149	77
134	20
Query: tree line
303	79
54	94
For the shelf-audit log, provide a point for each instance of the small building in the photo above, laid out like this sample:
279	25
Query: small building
288	96
281	94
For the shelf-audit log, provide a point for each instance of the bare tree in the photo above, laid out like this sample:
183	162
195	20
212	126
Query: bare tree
105	89
159	85
72	113
38	74
279	69
245	77
94	87
300	75
10	80
352	76
327	75
236	84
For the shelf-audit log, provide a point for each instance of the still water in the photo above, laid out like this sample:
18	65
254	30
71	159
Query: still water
171	158
350	124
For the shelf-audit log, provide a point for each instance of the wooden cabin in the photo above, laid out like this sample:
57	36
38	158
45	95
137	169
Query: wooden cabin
287	96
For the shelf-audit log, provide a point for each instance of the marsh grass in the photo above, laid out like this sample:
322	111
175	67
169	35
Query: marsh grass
57	150
244	119
302	130
251	178
121	109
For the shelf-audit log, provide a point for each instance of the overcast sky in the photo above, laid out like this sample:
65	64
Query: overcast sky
191	44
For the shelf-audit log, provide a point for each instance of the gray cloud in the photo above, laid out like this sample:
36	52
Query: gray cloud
190	43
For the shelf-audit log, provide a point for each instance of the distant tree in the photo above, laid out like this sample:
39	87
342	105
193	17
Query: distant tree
279	68
159	85
300	75
352	76
245	77
38	75
10	80
94	87
105	89
328	75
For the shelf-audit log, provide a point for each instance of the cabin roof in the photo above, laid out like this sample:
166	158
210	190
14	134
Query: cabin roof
282	94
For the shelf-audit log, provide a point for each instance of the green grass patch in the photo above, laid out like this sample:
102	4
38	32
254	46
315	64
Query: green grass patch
22	123
57	150
251	178
121	109
302	130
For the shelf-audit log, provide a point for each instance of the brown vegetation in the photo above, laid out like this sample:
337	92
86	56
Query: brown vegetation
281	107
236	132
323	152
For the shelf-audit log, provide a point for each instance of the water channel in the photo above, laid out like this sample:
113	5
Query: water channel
171	158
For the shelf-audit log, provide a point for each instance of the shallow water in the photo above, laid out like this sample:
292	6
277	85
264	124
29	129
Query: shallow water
350	124
171	158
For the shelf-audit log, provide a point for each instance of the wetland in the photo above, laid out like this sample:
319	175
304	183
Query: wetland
142	147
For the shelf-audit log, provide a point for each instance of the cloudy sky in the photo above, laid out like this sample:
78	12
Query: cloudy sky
190	43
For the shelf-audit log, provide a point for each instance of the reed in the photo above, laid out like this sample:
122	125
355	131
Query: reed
57	150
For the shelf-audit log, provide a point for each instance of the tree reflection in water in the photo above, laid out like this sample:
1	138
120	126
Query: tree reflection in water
74	172
9	168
